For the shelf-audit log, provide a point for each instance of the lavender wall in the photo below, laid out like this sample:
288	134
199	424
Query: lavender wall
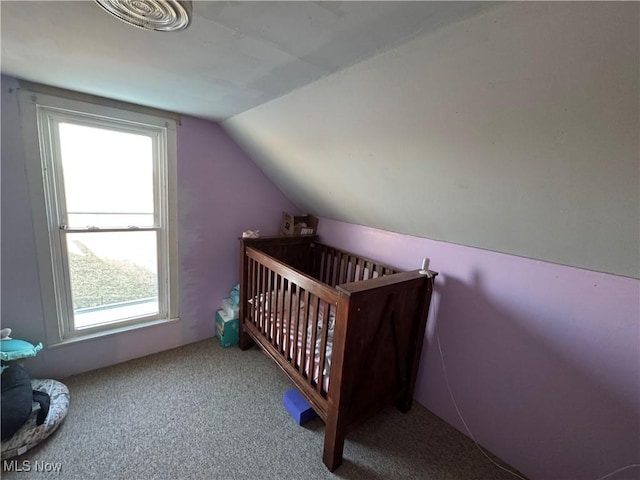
220	193
543	359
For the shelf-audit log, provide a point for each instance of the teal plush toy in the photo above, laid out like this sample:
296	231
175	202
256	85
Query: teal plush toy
13	349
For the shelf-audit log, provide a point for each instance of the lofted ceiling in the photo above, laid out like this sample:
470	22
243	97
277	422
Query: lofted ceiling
480	123
514	131
234	56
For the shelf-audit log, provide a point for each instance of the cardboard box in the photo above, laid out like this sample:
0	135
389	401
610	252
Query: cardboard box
227	329
298	225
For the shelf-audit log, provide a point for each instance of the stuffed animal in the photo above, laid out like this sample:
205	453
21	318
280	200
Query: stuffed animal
17	394
32	409
17	399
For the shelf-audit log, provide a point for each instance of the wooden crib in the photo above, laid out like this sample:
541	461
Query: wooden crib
347	330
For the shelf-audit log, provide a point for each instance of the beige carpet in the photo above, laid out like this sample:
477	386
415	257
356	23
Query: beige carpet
204	412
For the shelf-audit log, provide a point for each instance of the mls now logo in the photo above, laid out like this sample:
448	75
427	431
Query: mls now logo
29	466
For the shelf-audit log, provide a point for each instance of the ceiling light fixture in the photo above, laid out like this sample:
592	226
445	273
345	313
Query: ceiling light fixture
155	15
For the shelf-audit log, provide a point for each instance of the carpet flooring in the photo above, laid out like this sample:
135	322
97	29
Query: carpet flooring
204	412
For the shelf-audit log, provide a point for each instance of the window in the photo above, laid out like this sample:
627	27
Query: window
104	185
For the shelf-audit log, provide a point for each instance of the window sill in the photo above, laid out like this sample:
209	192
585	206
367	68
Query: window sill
113	331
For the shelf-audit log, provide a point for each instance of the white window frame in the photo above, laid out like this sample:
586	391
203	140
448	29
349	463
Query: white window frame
40	115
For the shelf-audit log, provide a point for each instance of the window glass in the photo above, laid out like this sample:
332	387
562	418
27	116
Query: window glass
113	276
108	177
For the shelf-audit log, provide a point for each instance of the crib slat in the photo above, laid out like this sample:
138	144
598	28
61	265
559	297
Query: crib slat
332	259
323	257
277	311
352	272
274	293
270	303
327	266
249	288
269	293
256	295
273	307
273	318
344	266
305	324
286	321
263	299
336	276
281	314
296	328
313	322
323	263
260	300
326	315
256	292
378	270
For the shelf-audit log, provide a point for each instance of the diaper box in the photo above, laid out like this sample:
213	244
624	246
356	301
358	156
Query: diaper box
227	329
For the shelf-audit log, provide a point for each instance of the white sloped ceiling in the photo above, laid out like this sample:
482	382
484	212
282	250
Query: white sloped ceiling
233	57
515	131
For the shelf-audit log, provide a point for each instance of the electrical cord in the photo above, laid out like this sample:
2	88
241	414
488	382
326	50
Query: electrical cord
455	404
633	465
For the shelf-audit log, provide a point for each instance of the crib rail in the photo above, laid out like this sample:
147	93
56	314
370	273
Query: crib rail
335	267
292	313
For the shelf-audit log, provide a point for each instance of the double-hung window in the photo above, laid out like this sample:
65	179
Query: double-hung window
107	197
